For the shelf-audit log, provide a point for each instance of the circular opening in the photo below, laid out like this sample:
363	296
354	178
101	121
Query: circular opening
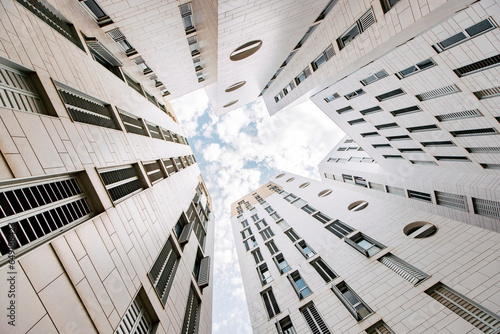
325	193
357	206
303	185
420	229
235	86
230	104
245	50
281	175
290	179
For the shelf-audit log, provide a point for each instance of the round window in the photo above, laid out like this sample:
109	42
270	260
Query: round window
290	179
230	104
235	86
281	175
357	206
420	229
325	193
245	50
303	185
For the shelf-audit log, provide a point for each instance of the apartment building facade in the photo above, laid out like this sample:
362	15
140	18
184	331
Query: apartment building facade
106	225
328	258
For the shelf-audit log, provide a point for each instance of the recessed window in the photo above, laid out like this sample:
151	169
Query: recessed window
357	206
303	185
420	229
230	104
162	272
270	303
299	285
325	193
235	86
290	179
364	244
264	274
281	175
354	304
245	50
417	68
281	263
302	76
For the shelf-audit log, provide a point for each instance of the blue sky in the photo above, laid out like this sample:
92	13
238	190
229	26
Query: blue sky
237	153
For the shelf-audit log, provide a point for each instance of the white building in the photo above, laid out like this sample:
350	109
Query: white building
328	258
105	221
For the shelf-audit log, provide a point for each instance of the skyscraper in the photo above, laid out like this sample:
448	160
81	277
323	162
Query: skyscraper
105	220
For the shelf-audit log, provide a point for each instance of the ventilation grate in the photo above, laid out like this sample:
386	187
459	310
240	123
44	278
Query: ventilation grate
419	196
314	320
163	270
490	166
486	207
370	110
133	124
451	200
451	158
447	90
478	66
423	162
121	182
154	171
487	93
422	128
366	20
474	132
459	115
437	143
483	149
410	149
403	269
381	145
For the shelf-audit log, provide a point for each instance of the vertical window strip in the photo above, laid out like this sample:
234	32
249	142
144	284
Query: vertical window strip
192	314
163	270
135	320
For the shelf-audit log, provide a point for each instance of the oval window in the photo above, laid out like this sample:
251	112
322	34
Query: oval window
290	179
245	50
325	193
303	185
357	206
235	86
230	104
420	229
281	175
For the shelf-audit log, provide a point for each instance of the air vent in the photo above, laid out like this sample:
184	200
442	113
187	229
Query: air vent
474	132
356	121
390	95
454	201
344	110
154	171
367	20
395	138
478	66
487	93
490	166
370	134
370	110
447	90
486	207
437	143
423	128
133	124
403	269
419	196
459	115
121	182
405	111
483	149
387	126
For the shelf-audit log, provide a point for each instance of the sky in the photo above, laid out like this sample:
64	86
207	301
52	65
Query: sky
237	153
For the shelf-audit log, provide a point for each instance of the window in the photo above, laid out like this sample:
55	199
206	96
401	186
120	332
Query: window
486	207
104	57
257	256
170	166
309	209
302	76
354	94
154	171
364	244
96	12
275	216
403	269
285	326
459	115
405	111
121	182
395	138
305	249
288	88
42	209
133	84
469	33
450	158
423	162
371	110
187	17
85	109
393	156
322	217
262	222
417	68
390	95
359	181
474	132
266	233
278	97
477	315
410	149
292	235
192	314
281	263
340	229
432	94
396	191
380	327
375	77
182	229
419	196
344	110
250	243
314	320
370	134
133	124
139	316
269	209
490	166
331	98
163	270
290	197
299	203
437	143
386	126
351	301
273	249
246	233
381	145
255	218
323	270
347	178
299	285
193	46
359	27
283	224
423	128
119	38
306	36
270	303
356	121
201	270
264	274
323	58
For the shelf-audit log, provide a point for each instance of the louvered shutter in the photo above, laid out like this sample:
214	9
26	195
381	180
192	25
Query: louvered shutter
329	52
204	275
403	269
186	233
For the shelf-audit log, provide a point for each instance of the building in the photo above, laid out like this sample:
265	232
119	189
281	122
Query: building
105	220
331	258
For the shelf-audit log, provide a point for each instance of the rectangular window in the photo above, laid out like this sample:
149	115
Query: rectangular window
323	58
305	249
359	181
432	94
403	269
163	270
283	224
257	256
266	233
133	124
423	128
273	249
192	315
393	156
309	209
299	285
302	76
323	270
255	218
380	327
450	158
486	207
386	6
264	274
417	68
356	121
305	37
170	166
381	145
139	316
375	77
270	303
269	209
183	227
314	320
423	162
42	209
290	197
354	94
281	263
390	95
288	88
364	244
405	111
193	46
246	233
396	191
469	33
285	326
121	182
292	235
299	203
371	110
359	27
322	217
339	228
351	301
437	143
250	243
96	12
278	97
344	110
187	17
121	40
263	223
419	196
370	134
396	138
332	97
482	318
275	216
347	178
386	126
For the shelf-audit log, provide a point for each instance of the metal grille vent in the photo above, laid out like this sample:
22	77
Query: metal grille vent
474	313
490	166
487	93
133	84
154	171
135	320
419	196
451	200
422	128
396	138
270	303
17	92
403	269
204	275
474	132
314	320
101	50
116	35
486	207
30	212
154	131
366	20
192	314
85	110
478	66
483	149
121	182
379	328
451	89
133	125
370	134
459	115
